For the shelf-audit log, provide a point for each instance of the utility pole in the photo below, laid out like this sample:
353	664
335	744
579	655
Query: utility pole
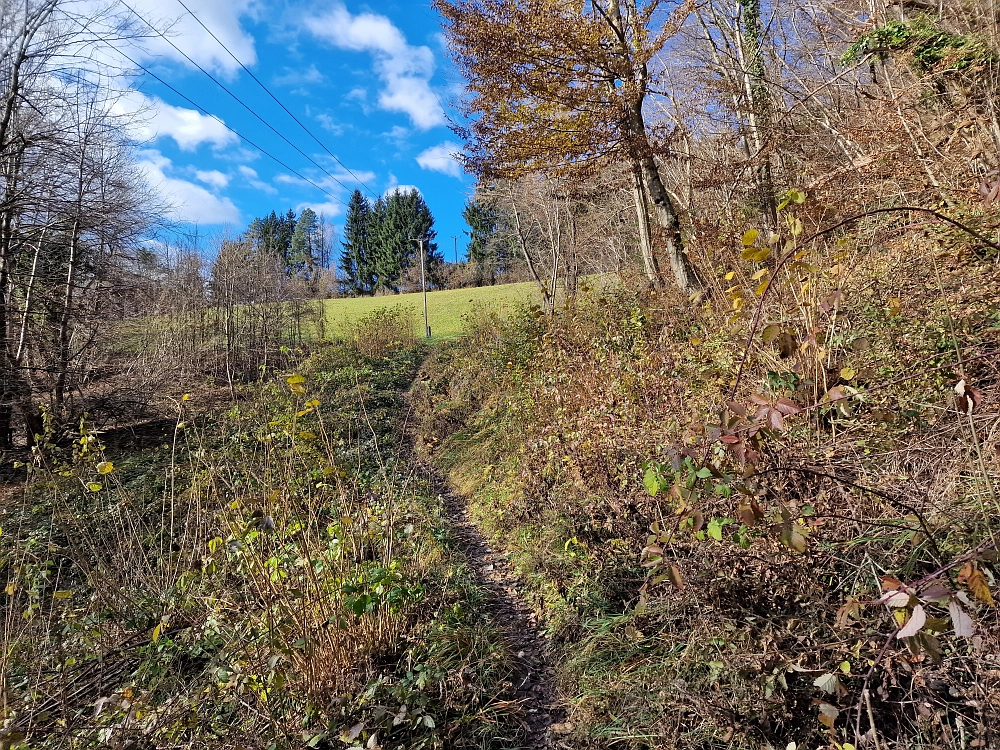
455	237
423	284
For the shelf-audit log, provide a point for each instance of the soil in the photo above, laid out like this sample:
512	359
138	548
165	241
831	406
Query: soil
531	650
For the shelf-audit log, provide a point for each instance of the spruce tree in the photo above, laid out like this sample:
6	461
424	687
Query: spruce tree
356	258
403	218
483	220
304	250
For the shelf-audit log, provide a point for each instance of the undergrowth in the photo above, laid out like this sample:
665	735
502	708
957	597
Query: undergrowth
274	576
795	548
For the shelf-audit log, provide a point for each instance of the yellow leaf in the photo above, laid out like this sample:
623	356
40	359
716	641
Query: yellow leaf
847	373
186	397
105	467
696	342
11	588
157	631
95	486
62	594
729	276
760	274
750	237
972	577
759	291
895	306
298	390
295	380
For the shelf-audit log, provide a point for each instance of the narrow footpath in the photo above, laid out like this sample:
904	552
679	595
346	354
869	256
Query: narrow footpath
530	648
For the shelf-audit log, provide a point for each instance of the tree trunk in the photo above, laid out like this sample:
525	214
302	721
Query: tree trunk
645	241
66	316
666	216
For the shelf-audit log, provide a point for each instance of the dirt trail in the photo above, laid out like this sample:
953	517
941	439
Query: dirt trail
530	649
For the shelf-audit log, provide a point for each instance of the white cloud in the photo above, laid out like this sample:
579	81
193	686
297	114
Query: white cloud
222	17
405	70
328	209
293	77
330	124
187	201
254	180
213	177
358	94
152	119
441	158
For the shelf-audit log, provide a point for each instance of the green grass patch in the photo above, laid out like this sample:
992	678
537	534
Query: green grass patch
444	308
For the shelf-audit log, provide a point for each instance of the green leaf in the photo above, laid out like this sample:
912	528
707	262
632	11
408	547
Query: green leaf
704	473
652	481
715	527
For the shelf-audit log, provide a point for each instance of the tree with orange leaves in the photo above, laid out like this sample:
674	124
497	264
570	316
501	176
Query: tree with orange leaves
559	86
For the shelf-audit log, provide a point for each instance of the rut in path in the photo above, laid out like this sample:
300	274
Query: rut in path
530	649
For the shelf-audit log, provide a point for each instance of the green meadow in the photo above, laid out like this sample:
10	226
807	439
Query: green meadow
445	309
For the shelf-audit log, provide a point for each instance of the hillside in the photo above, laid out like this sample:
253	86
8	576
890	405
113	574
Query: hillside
703	452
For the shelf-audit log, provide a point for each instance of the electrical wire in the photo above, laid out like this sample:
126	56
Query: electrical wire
232	130
275	98
239	101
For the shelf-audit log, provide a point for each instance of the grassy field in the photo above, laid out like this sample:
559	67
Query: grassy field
444	309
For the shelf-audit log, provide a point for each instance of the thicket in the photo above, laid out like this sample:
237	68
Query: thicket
272	574
752	530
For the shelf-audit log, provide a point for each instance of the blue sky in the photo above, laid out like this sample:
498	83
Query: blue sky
371	81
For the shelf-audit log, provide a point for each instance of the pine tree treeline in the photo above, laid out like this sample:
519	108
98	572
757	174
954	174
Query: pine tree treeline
380	247
297	242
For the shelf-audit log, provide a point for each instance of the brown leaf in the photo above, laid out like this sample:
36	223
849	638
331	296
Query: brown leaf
674	576
889	583
787	344
848	612
828	714
775	419
831	301
746	515
787	407
972	577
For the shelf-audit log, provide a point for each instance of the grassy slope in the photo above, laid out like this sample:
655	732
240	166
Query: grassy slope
445	308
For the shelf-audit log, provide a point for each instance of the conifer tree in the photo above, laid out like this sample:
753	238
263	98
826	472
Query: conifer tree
304	250
355	263
483	220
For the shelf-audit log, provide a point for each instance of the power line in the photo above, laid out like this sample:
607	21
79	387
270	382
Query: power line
243	104
232	130
277	101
